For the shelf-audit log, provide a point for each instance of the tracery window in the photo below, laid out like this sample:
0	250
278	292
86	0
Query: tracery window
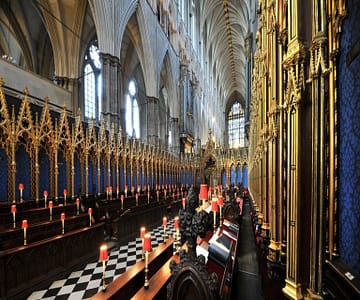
236	126
92	82
132	117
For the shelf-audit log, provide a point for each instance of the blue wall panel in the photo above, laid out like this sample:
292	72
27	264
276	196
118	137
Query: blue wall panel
349	139
22	173
3	176
77	179
44	176
245	177
62	174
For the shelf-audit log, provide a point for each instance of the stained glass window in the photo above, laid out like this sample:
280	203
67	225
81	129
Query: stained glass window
132	118
92	82
236	126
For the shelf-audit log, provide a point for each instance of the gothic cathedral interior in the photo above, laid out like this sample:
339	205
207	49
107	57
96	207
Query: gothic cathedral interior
146	100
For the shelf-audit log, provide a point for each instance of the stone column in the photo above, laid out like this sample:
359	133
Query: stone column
152	120
110	71
184	95
175	135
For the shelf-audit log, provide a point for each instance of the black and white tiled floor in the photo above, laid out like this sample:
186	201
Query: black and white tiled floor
83	284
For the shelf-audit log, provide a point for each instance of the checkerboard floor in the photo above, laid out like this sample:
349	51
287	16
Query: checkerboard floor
83	284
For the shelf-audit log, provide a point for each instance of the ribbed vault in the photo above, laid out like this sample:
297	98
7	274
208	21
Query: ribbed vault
225	27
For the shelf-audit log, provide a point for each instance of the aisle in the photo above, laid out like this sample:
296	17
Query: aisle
83	284
247	283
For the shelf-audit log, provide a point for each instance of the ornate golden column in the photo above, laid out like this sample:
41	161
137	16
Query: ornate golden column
36	157
228	173
125	161
336	13
72	163
12	159
118	152
86	153
98	170
293	63
56	171
102	156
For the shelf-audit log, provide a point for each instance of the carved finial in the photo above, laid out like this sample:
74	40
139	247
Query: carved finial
191	201
1	82
13	114
120	130
46	100
26	91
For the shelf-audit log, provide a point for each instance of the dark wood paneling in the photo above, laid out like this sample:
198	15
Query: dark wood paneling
26	266
125	286
338	283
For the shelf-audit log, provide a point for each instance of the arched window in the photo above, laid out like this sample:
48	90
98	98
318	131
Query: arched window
92	82
236	126
132	111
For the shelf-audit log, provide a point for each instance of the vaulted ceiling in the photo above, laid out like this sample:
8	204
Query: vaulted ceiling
225	25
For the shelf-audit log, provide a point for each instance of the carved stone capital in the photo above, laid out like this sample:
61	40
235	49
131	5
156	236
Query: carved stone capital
318	61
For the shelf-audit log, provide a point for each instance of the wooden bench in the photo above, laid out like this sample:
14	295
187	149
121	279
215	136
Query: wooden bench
147	215
35	215
24	268
12	238
157	283
127	284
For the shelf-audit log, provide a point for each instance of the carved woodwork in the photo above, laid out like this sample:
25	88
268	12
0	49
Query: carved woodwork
190	279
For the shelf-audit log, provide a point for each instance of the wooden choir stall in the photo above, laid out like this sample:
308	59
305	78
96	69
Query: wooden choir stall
199	263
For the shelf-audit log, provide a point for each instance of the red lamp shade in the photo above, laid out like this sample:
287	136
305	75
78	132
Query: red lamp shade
90	211
122	197
21	186
176	222
51	205
13	208
137	196
203	192
77	200
184	201
24	224
62	216
107	190
147	242
46	193
103	253
65	191
142	232
221	200
214	205
126	188
164	221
